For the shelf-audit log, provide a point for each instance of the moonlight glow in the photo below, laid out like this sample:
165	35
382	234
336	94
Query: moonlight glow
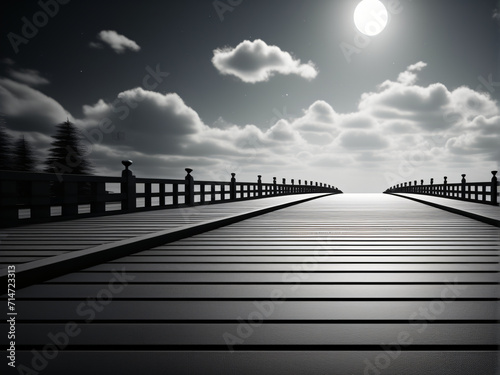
370	17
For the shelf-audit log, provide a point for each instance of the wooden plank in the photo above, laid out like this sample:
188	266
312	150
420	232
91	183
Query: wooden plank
464	252
232	310
308	267
252	291
335	259
284	362
280	334
280	277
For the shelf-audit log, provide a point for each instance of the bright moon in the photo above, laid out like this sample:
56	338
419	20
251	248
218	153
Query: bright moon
371	17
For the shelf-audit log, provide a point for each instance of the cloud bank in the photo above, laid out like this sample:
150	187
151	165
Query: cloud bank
400	120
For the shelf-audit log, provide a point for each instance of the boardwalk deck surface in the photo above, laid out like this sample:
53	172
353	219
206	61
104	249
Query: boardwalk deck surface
345	284
484	212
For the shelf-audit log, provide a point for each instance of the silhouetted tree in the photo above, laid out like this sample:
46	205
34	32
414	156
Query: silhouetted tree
66	154
23	159
5	150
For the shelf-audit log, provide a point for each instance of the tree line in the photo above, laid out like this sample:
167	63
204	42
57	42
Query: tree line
66	154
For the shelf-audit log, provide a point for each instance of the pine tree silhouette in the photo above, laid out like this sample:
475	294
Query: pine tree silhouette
66	154
23	159
5	150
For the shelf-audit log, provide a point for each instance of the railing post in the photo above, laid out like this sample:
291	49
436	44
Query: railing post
175	194
222	192
147	195
445	187
259	185
9	213
494	188
212	193
40	200
70	199
162	195
202	193
464	187
275	187
98	204
128	188
189	188
232	194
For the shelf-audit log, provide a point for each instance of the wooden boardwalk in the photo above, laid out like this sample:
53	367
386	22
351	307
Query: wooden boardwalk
344	284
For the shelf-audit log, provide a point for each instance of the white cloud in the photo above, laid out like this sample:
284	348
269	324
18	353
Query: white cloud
100	109
363	140
29	76
319	124
417	66
283	132
256	61
96	45
496	15
119	43
409	76
358	121
28	108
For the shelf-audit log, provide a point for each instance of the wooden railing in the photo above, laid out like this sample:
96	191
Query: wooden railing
479	192
27	198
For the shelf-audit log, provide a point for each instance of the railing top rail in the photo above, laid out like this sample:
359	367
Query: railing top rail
36	176
200	182
459	185
142	180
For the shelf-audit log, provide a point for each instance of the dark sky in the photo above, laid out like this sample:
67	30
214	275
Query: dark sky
266	87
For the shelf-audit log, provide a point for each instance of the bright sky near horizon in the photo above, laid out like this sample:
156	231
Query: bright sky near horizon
285	88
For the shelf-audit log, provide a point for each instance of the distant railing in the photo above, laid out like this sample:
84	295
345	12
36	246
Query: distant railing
479	192
27	198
